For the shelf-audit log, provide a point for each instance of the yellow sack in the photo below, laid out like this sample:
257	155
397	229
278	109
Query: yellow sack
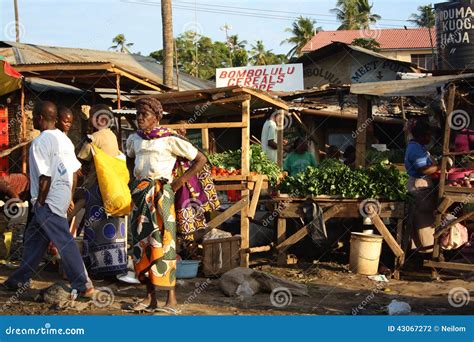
113	178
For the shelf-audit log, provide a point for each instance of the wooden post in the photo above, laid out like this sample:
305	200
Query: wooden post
281	237
444	164
117	84
244	219
364	121
405	120
280	123
119	117
205	139
23	128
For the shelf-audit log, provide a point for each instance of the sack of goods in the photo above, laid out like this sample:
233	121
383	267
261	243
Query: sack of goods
113	178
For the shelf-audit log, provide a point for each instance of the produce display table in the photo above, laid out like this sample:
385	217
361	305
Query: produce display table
291	207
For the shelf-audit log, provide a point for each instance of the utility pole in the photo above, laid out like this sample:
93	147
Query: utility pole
227	28
168	42
17	21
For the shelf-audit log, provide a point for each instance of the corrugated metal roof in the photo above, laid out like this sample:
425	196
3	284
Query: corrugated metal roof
335	47
141	66
389	39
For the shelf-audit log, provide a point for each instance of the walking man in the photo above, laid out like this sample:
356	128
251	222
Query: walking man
52	166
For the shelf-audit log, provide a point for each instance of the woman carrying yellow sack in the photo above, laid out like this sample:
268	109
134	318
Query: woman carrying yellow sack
105	240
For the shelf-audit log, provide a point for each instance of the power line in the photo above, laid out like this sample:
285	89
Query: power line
217	10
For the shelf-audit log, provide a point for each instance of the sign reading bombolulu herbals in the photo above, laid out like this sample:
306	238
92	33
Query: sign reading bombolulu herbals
280	77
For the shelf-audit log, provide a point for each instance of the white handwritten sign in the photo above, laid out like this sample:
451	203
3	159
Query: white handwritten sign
279	77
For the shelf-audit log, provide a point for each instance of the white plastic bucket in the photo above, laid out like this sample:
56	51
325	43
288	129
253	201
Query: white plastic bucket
365	253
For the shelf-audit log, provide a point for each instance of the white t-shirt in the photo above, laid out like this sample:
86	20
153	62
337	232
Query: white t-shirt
269	132
52	155
156	158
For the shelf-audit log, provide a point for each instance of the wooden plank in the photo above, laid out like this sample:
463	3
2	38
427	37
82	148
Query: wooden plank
280	138
138	80
245	163
387	236
221	218
281	238
205	139
302	232
399	261
264	97
445	204
364	110
259	249
8	151
205	125
24	152
255	197
232	99
449	265
463	190
456	221
465	153
225	187
345	209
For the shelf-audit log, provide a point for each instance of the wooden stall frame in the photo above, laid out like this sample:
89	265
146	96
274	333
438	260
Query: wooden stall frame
228	96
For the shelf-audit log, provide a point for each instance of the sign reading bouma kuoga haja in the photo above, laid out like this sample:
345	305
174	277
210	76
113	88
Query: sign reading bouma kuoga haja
280	77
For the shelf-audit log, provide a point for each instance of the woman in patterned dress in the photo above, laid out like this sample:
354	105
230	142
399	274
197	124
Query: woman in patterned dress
155	151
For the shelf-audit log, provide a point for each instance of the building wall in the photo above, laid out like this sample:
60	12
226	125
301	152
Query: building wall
347	68
404	55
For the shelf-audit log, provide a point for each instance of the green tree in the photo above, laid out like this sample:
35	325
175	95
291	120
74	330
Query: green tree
121	43
198	55
365	17
237	51
258	53
355	14
302	31
367	43
425	16
346	13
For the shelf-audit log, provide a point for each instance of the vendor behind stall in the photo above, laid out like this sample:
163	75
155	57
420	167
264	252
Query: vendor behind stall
420	168
300	159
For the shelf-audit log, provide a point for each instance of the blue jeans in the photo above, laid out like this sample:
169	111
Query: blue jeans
45	226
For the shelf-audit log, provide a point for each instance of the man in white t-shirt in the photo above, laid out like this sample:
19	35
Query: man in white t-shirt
269	136
52	168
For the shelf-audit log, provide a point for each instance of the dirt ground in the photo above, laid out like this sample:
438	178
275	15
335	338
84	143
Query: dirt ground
333	290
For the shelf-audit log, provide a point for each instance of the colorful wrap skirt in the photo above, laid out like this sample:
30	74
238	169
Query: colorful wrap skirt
153	227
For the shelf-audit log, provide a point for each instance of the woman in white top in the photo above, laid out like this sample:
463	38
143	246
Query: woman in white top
155	151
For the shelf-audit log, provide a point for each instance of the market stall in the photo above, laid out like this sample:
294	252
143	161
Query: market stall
453	93
225	108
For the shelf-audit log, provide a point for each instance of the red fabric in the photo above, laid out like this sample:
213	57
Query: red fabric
8	69
418	38
462	140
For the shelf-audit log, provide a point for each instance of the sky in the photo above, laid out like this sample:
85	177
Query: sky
93	24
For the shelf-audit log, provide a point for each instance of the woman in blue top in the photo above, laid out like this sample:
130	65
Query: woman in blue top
420	167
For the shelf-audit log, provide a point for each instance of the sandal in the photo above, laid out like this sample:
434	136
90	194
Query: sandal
138	308
167	309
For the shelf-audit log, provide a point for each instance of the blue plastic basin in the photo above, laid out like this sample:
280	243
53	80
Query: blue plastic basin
186	269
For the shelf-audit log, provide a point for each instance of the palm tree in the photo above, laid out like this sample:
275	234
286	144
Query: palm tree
235	44
346	13
258	53
425	18
364	14
120	43
303	30
355	14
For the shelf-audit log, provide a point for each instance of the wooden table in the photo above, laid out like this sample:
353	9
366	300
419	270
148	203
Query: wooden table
290	207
